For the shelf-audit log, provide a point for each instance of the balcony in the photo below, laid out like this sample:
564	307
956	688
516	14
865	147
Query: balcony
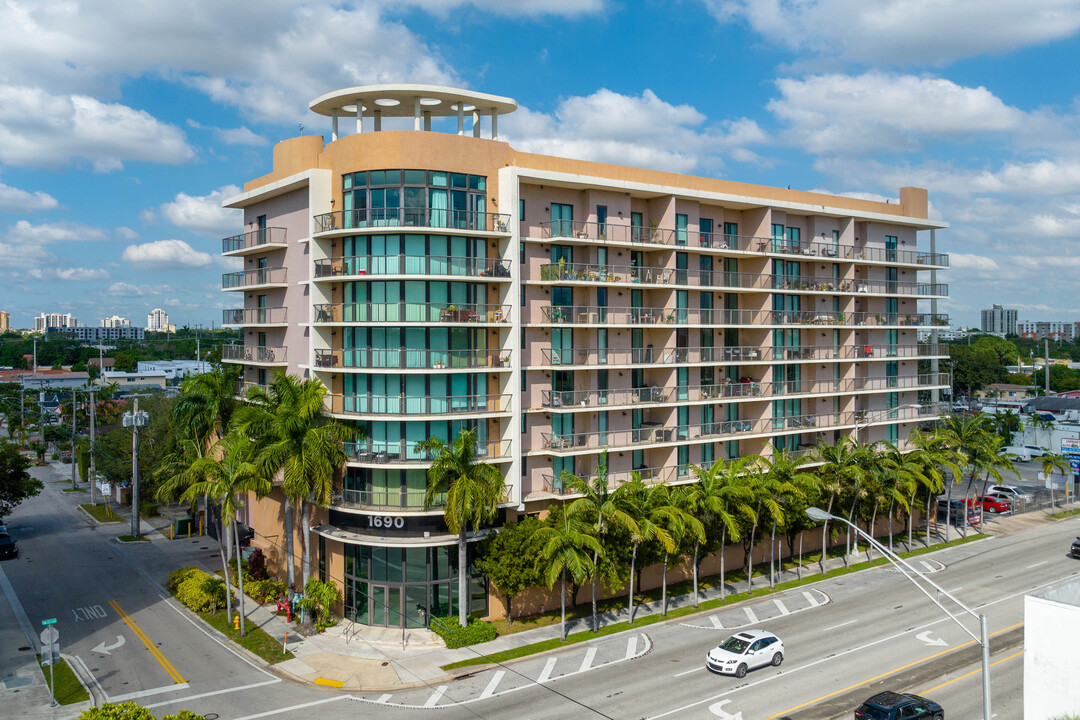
411	217
622	232
409	312
638	356
879	416
253	354
412	265
253	317
604	315
244	387
372	359
417	405
388	499
655	434
402	452
253	279
253	241
664	475
812	317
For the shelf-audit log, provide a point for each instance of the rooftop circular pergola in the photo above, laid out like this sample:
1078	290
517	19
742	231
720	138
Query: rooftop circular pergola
420	102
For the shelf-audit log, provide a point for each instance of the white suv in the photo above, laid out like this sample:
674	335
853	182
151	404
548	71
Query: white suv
744	651
1035	451
1009	492
1021	452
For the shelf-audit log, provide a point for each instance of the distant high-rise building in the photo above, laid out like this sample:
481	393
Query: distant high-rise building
1042	330
5	321
114	322
999	319
53	321
157	320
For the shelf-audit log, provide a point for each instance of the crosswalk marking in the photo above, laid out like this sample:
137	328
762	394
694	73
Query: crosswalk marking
587	661
490	689
716	622
545	674
780	606
384	698
435	697
929	568
750	615
810	599
631	647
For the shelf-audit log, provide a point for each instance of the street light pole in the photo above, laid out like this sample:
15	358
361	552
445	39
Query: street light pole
135	420
983	638
73	438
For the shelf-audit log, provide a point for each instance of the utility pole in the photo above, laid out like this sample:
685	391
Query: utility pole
1046	364
73	438
135	420
93	441
41	407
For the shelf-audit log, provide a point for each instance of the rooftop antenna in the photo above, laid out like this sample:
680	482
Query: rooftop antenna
300	126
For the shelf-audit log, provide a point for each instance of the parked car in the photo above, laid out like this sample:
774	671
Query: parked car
954	509
1021	452
1010	491
990	504
1035	451
1075	551
8	548
894	706
744	651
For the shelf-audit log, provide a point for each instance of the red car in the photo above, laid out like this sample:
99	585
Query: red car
990	504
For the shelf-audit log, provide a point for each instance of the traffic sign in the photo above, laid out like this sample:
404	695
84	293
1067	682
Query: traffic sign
50	645
50	621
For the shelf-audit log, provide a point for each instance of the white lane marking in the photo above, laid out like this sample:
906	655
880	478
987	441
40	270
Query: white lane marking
810	598
840	625
494	683
927	636
387	696
750	615
93	680
956	590
631	647
687	672
435	696
545	674
716	622
1037	564
147	693
214	692
586	662
302	706
780	606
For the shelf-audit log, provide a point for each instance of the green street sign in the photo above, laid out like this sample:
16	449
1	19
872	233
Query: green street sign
49	622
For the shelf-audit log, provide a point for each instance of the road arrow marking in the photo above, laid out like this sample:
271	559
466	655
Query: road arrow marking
925	637
104	647
717	709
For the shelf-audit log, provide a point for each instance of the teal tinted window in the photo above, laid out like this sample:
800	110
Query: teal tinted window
438	179
346	181
477	182
359	179
459	180
415	177
377	177
393	177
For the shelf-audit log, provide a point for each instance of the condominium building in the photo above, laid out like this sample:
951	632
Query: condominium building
157	320
54	321
5	321
999	319
96	335
1047	330
114	322
573	314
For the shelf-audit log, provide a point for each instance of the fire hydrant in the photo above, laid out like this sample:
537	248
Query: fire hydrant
236	623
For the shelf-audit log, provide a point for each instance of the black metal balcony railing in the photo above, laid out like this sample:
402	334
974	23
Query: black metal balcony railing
413	359
411	312
250	278
253	354
429	265
741	354
402	451
412	217
416	405
389	498
255	316
602	314
619	232
254	239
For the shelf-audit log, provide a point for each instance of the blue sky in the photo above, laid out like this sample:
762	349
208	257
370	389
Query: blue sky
123	123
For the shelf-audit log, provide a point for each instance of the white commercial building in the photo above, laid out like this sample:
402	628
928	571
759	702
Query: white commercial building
114	322
174	369
47	321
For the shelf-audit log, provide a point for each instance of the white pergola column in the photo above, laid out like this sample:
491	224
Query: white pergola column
416	113
333	126
359	118
476	123
494	124
378	119
460	118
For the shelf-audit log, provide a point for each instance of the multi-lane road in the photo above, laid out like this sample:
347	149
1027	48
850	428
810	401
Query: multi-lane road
845	639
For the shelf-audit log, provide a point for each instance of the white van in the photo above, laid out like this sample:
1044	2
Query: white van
1019	451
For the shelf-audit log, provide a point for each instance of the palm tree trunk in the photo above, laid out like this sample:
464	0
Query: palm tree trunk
892	506
798	571
305	539
595	561
463	582
825	535
695	573
723	545
870	533
911	512
926	540
851	514
562	605
750	562
290	557
948	512
633	561
240	580
663	593
225	565
772	556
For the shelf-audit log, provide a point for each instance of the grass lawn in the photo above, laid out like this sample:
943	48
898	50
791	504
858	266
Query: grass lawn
132	538
82	490
256	640
68	688
1065	514
585	610
101	513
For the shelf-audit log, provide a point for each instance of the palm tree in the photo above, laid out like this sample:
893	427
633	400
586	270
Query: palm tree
903	474
472	492
714	500
783	479
681	524
1050	463
228	473
933	450
298	440
766	507
566	547
604	508
643	504
840	469
205	406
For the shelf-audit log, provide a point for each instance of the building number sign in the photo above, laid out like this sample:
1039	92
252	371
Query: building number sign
386	521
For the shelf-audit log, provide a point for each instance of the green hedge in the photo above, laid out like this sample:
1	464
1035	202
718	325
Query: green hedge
197	590
455	636
264	591
131	711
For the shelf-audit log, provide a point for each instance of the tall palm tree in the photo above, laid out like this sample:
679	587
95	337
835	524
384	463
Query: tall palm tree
567	546
935	453
643	502
604	508
766	508
228	473
715	499
205	406
784	479
840	469
903	475
681	524
299	441
472	492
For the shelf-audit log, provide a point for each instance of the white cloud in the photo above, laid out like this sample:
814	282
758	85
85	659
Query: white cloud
55	273
513	7
123	289
126	233
232	136
13	199
25	232
876	111
39	129
641	131
905	32
203	213
165	254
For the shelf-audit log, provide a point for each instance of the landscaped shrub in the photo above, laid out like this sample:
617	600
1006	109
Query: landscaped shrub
201	592
131	711
455	636
148	509
319	598
264	591
178	576
255	565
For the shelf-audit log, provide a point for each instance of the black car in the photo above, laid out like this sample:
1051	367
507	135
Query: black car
8	548
1075	552
899	706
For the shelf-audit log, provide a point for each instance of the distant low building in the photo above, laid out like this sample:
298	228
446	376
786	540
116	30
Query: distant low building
87	334
46	379
125	381
175	369
1007	391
